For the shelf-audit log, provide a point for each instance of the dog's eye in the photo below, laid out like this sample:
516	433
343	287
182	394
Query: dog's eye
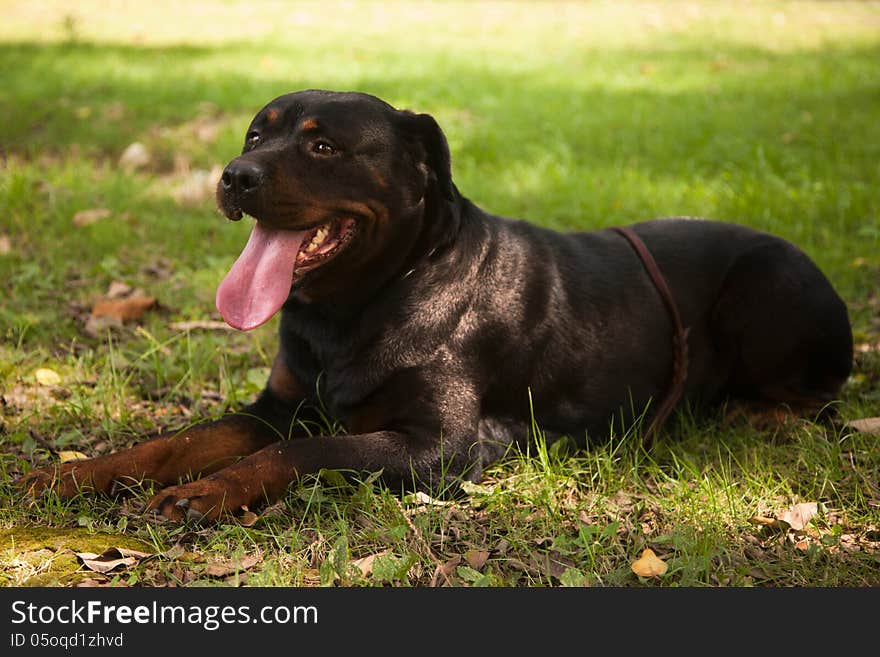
252	138
322	147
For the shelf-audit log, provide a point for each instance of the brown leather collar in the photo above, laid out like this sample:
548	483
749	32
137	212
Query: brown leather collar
679	337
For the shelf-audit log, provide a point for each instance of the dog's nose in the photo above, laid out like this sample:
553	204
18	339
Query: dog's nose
241	178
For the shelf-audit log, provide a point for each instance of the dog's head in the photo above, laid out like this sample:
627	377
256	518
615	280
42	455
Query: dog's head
338	184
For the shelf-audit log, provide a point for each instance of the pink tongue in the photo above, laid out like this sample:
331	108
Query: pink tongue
259	282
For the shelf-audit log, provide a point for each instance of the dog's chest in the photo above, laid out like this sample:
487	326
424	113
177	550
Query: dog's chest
346	363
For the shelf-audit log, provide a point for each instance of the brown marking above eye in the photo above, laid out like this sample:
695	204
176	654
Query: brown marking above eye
272	115
309	124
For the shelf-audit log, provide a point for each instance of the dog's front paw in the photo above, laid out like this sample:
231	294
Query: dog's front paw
201	501
67	480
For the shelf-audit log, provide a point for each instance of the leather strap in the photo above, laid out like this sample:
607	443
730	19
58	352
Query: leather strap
679	336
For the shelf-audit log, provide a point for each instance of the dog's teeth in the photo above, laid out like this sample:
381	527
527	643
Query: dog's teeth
318	238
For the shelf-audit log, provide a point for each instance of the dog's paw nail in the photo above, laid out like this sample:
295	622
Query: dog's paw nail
182	503
194	516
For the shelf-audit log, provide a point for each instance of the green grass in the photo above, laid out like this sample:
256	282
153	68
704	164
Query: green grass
574	115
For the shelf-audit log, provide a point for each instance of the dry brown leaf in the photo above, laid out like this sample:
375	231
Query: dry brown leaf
476	558
71	455
365	564
869	425
799	515
134	157
88	217
444	571
247	518
111	558
649	565
126	309
553	563
92	582
118	289
223	569
47	377
98	326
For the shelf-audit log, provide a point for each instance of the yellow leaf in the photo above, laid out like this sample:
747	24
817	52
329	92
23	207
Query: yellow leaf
47	377
649	565
71	455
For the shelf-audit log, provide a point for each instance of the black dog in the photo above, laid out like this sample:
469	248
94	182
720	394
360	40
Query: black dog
431	329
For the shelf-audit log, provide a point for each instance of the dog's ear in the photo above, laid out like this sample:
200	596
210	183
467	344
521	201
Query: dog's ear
430	148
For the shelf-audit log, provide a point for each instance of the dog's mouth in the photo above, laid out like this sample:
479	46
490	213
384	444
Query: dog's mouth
273	260
323	243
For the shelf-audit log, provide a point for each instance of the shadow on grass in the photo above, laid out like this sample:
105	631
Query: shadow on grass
682	114
784	141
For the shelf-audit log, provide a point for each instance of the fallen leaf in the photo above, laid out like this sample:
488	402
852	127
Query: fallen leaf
799	515
766	521
47	377
88	217
476	558
126	309
134	157
97	326
649	565
110	559
759	574
443	571
94	583
365	564
247	518
118	289
552	563
869	425
70	455
223	569
423	498
5	245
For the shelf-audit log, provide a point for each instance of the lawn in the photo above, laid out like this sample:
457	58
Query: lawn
573	115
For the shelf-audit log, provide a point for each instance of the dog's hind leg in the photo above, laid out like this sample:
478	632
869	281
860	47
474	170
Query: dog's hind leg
782	329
